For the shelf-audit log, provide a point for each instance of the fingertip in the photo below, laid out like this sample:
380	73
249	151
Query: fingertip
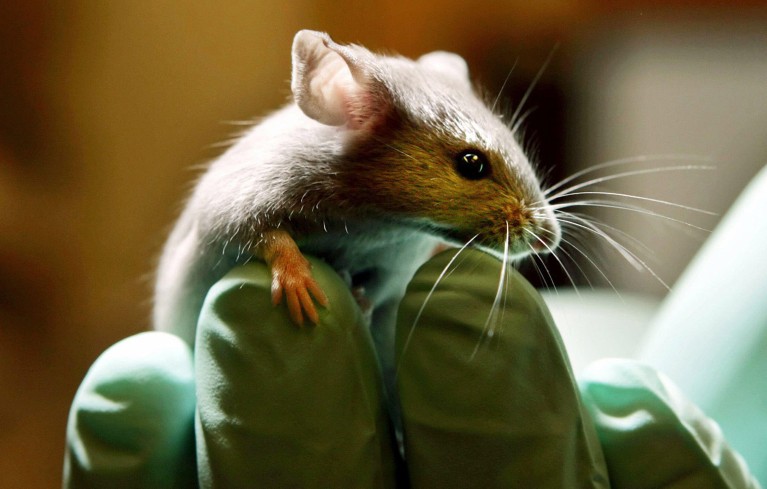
308	305
297	317
319	294
314	317
294	308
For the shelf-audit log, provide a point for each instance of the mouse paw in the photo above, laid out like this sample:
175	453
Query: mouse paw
292	279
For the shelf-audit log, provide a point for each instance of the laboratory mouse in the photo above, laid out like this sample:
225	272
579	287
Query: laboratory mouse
374	161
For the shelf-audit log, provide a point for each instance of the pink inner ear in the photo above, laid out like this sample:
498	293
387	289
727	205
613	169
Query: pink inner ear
329	83
330	89
340	97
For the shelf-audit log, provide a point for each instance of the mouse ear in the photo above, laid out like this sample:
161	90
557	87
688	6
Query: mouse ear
449	64
330	82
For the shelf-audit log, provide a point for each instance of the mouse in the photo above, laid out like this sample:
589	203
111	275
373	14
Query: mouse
374	161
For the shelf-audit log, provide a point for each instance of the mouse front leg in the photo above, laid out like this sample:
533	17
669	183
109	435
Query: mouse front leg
291	276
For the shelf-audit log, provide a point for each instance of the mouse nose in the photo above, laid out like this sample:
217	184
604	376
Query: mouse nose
547	236
541	244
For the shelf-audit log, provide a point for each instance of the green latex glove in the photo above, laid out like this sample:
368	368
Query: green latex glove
281	406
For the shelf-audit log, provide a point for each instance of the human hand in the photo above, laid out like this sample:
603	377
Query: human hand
487	397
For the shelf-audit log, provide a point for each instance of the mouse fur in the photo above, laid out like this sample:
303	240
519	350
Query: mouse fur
360	170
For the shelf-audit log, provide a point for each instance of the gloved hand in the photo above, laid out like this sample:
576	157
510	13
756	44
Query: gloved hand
487	398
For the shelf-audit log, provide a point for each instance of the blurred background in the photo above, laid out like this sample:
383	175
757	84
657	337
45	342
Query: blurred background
105	107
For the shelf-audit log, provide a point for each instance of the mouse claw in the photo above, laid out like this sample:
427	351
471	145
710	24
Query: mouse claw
294	307
292	279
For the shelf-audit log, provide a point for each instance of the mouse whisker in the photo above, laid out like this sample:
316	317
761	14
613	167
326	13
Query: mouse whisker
570	257
599	270
626	207
394	148
505	297
247	123
588	226
625	161
636	242
631	173
503	86
521	120
445	272
564	268
532	85
487	331
498	311
646	199
627	254
533	257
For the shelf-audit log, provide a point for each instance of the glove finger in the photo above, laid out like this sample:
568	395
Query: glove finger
280	406
131	422
488	399
652	436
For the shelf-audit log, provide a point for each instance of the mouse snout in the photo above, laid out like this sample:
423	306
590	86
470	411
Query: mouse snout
544	242
533	229
546	234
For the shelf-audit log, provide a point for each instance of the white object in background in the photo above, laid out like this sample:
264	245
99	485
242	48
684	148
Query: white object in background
710	336
597	324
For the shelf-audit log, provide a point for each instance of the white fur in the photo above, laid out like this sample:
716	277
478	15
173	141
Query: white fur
282	172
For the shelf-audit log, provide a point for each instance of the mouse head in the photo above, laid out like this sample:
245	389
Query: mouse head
422	147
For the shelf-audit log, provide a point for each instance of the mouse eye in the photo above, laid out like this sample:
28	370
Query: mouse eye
472	164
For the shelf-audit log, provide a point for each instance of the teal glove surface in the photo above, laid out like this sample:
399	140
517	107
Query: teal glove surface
711	334
487	396
653	436
131	422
